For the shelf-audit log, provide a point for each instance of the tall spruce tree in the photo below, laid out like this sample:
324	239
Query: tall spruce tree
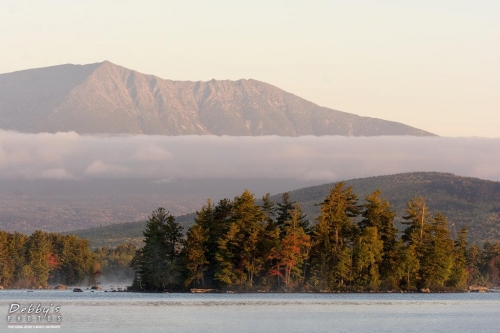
367	257
156	264
284	213
333	240
378	213
437	260
195	255
291	251
239	256
459	273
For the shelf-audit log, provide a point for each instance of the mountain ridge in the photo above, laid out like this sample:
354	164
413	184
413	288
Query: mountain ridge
107	98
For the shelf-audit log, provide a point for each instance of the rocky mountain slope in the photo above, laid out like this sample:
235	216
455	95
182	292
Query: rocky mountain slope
106	98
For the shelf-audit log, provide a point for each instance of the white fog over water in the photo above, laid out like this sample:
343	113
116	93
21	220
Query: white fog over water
135	312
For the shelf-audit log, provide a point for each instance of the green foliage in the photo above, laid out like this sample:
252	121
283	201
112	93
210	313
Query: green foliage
333	239
195	255
44	259
367	257
157	264
437	259
291	251
239	245
379	214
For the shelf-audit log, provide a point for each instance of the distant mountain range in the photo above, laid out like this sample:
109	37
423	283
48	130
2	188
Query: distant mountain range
106	98
464	201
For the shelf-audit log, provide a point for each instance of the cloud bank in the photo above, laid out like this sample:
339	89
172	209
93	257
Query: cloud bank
308	158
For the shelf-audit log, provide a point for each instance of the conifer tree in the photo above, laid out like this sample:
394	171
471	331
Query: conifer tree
156	265
195	255
333	239
38	250
417	219
407	270
239	249
214	220
7	267
459	273
284	210
291	251
437	260
367	256
379	213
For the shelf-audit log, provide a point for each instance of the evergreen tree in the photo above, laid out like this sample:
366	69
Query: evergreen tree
269	208
38	251
408	264
7	267
195	255
379	213
459	273
474	263
333	239
239	250
290	253
437	260
284	211
16	243
490	263
156	265
367	256
417	219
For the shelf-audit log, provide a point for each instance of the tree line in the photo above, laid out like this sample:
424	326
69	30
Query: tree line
44	259
241	245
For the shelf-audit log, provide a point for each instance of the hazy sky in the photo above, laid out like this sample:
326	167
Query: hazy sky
430	64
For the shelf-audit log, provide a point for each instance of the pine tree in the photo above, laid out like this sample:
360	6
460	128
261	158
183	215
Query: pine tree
290	253
459	273
437	260
378	213
6	264
195	255
368	254
417	219
333	239
16	243
157	266
407	270
284	211
38	250
239	248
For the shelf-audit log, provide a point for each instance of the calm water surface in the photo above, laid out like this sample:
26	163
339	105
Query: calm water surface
131	312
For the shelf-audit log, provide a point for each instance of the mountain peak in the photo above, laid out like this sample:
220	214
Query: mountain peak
108	98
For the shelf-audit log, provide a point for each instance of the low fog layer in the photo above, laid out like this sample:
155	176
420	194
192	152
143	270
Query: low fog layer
165	158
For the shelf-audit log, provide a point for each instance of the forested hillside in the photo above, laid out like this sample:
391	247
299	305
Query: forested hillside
465	201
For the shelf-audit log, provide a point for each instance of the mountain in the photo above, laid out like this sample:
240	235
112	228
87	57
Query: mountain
464	201
106	98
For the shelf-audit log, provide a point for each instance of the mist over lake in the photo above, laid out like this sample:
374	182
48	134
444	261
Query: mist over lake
132	312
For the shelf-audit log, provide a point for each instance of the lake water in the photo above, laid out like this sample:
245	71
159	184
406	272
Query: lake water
132	312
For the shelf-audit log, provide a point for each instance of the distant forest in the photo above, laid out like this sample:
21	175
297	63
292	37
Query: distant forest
240	245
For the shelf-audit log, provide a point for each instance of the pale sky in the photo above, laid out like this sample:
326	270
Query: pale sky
434	65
